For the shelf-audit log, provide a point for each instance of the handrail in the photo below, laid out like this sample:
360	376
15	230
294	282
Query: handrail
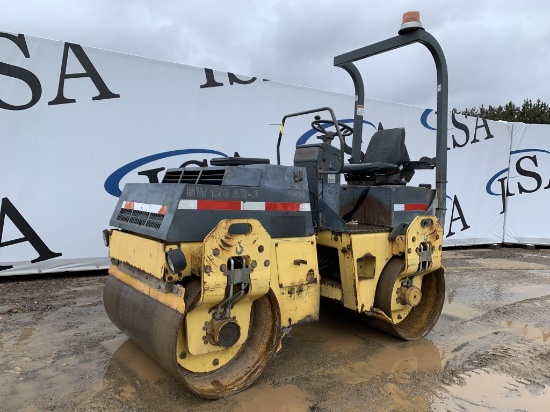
338	132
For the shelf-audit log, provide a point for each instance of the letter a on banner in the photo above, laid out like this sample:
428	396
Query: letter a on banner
29	235
89	71
456	206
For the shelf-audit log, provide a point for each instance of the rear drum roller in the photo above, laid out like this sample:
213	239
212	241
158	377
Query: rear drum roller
414	310
156	329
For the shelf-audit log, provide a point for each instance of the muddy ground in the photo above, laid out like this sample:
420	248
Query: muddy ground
490	350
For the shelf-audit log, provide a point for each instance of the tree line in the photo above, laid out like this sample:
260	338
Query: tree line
529	112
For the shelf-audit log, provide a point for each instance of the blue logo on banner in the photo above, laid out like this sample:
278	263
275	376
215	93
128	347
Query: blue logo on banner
424	119
528	180
112	184
520	169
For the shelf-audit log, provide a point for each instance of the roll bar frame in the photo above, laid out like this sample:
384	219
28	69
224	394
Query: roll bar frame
345	61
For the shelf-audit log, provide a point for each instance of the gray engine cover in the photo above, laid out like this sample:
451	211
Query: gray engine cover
277	196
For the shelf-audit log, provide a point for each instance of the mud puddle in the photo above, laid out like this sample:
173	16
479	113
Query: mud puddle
468	301
316	362
134	378
26	333
488	351
263	397
528	331
486	390
138	362
466	297
141	375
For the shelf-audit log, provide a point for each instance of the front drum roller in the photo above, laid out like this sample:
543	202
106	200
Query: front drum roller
413	311
155	328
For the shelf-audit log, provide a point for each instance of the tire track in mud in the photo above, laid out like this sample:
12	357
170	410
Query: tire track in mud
513	339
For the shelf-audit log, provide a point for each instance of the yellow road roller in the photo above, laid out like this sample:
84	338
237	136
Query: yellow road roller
213	263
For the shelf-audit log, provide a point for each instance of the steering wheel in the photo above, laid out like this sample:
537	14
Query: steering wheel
317	125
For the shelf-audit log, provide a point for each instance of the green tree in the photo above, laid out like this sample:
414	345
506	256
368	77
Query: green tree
528	112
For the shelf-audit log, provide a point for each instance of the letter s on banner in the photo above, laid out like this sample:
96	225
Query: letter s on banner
20	73
535	179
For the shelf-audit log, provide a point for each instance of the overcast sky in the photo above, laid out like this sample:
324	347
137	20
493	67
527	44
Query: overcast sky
497	50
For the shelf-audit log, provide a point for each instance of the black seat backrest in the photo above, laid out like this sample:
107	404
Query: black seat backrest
386	154
387	146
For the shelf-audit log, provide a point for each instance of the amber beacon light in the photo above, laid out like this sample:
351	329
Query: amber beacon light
411	21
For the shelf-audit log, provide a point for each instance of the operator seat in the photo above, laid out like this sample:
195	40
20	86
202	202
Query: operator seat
384	159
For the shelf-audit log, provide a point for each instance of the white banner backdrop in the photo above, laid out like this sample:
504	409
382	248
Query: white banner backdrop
78	123
528	186
477	149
